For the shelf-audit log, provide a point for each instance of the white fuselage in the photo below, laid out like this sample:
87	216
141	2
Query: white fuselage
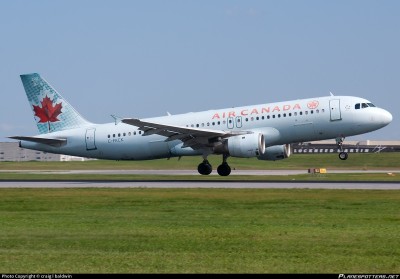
280	123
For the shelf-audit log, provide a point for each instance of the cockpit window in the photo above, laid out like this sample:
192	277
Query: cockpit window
364	105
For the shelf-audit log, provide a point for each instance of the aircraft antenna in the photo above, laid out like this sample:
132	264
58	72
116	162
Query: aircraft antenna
117	119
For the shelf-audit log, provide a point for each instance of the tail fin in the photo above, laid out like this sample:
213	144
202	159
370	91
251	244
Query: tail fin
51	111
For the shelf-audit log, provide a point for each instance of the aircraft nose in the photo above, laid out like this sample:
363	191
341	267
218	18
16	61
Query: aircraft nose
386	117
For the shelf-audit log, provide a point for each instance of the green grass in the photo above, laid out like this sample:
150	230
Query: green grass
199	231
375	161
388	160
202	230
369	177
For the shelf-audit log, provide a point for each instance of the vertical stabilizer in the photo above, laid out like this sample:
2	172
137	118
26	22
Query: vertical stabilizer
51	111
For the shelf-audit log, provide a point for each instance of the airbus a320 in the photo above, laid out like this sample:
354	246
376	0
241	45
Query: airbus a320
264	131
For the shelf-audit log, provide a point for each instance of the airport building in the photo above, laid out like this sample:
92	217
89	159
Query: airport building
10	151
329	146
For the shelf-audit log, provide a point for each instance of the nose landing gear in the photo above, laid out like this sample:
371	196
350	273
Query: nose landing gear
342	155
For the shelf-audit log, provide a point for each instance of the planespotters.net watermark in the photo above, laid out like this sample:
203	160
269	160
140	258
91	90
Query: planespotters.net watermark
368	276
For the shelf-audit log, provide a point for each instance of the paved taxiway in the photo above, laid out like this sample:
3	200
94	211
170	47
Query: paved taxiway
149	183
201	184
194	172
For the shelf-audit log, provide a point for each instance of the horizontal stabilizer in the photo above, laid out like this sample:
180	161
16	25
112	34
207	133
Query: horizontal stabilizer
48	141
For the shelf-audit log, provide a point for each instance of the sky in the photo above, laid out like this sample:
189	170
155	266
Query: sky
146	58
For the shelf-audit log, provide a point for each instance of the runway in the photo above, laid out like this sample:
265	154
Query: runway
202	184
214	183
194	172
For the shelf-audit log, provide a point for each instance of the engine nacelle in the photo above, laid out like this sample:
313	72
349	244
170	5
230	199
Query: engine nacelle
276	152
246	146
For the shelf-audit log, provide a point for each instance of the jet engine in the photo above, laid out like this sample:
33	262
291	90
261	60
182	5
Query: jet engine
276	152
246	146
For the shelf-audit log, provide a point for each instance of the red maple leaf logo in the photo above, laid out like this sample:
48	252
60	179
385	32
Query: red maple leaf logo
47	113
313	104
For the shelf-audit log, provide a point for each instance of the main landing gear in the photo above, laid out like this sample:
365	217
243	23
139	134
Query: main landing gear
342	155
205	167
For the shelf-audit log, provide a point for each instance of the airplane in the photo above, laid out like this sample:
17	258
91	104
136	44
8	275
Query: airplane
265	131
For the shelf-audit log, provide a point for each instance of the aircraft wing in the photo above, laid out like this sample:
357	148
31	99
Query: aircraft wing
48	141
191	137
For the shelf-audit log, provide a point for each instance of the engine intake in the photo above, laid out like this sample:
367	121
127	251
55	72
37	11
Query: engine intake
276	152
246	146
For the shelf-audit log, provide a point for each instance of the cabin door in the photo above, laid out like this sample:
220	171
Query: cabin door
334	106
90	139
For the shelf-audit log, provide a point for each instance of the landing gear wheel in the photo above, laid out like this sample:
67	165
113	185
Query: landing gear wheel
343	155
224	169
204	168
